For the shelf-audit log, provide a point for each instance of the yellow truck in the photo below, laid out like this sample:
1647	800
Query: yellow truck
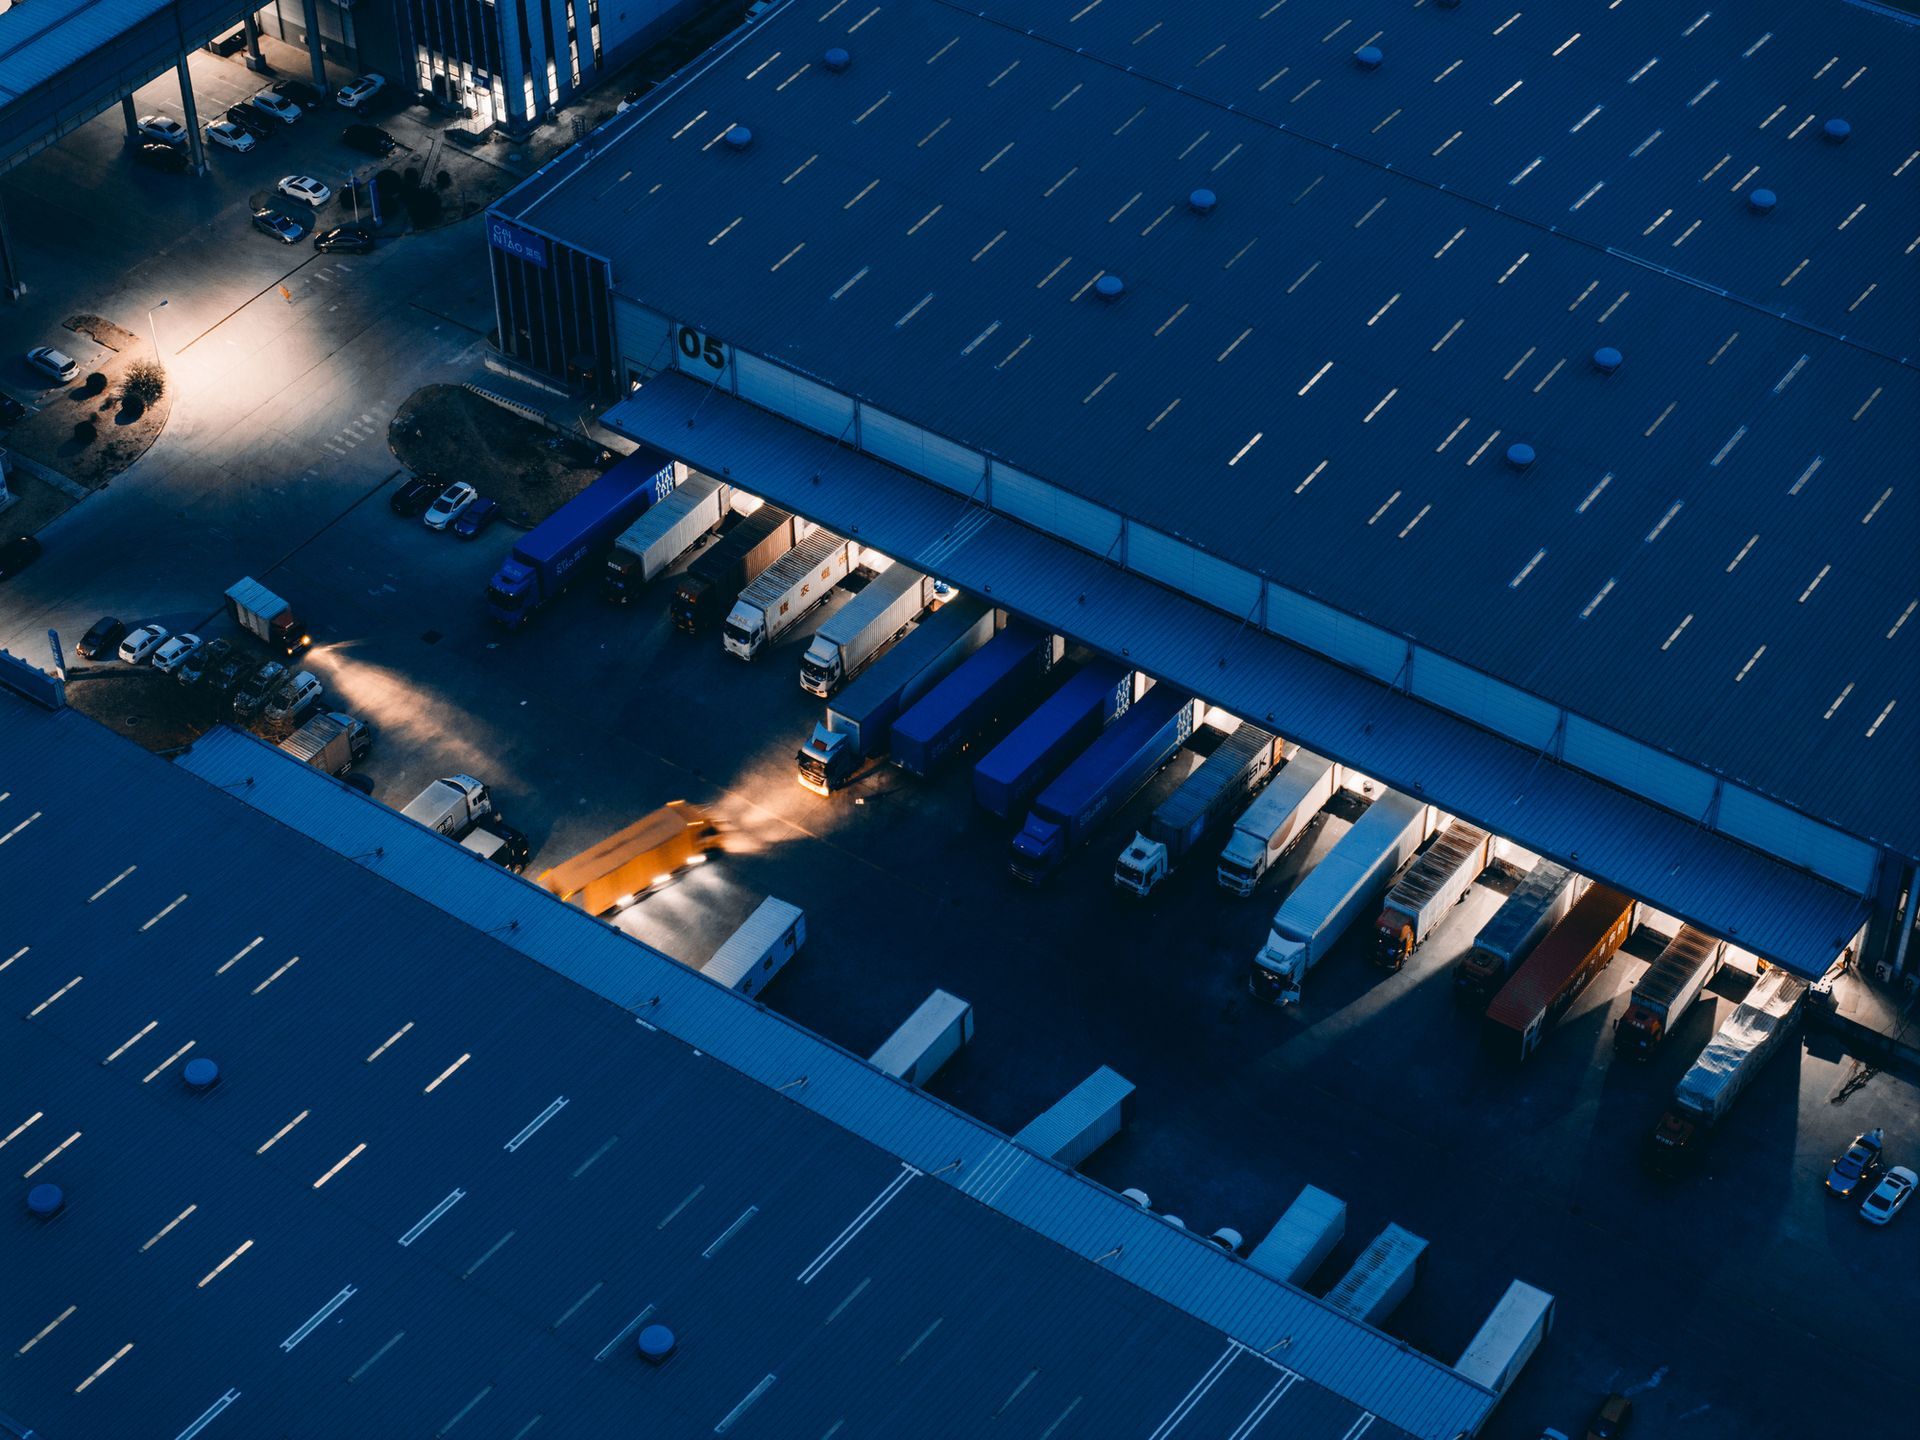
626	865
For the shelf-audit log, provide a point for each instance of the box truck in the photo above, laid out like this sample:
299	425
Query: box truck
1552	977
788	591
557	551
646	549
330	742
863	627
1381	1278
264	615
1081	1121
999	676
706	588
624	866
1501	1348
760	948
1427	893
1126	755
1219	785
1348	879
1301	1239
451	805
1033	752
859	723
930	1037
1667	991
1761	1025
1274	823
1537	904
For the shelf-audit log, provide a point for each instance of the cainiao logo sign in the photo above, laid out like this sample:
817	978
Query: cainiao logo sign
503	234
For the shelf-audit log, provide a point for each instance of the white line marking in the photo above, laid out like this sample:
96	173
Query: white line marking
18	828
625	1330
162	915
534	1124
211	1414
319	1318
420	1226
728	1233
741	1409
860	1222
111	883
1260	1411
1198	1393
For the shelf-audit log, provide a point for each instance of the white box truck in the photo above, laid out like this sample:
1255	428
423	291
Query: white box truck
1538	903
1381	1278
1427	893
1497	1354
451	805
931	1036
1235	770
1081	1121
841	648
647	548
792	588
1274	823
1301	1239
760	948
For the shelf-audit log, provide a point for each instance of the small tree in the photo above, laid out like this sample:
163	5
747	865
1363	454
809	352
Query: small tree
146	381
96	382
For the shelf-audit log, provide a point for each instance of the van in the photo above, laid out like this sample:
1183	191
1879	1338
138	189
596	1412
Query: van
294	699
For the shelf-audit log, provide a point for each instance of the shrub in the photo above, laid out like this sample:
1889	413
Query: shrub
146	382
96	382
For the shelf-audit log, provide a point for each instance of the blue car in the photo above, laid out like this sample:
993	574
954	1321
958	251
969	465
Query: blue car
476	518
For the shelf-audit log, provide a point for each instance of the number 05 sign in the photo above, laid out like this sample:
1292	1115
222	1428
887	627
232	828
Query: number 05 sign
702	355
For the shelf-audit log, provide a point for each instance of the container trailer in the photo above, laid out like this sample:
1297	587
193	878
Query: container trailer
627	864
1095	695
1381	1278
1549	980
705	589
1667	991
760	948
863	627
1274	823
930	1037
1501	1348
1081	1121
1538	903
788	591
647	548
1221	783
451	805
1427	893
1301	1239
999	675
268	618
1761	1025
330	742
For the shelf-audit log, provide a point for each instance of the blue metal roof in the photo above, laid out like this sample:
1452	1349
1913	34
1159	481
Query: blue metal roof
1406	271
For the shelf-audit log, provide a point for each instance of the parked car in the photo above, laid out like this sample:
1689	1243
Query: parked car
101	638
204	661
300	93
251	120
358	91
413	497
369	140
451	502
1611	1420
1890	1196
1854	1171
501	843
272	102
233	667
305	188
141	643
166	158
12	411
294	700
476	518
16	554
230	136
163	128
170	656
254	691
282	227
56	365
347	238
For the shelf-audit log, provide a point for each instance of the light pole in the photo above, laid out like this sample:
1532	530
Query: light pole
154	328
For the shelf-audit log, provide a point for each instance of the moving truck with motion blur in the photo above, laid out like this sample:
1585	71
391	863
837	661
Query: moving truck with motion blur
1348	879
649	546
1219	784
451	805
859	723
625	865
556	552
1538	903
1549	980
1033	753
1501	1348
1381	1278
1108	773
997	677
267	617
862	628
789	590
1274	823
1427	893
707	587
1301	1239
1667	991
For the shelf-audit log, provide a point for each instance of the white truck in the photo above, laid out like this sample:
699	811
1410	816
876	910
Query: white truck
930	1037
1763	1023
330	742
1538	903
790	589
1081	1121
1301	1239
1275	822
451	805
760	948
1432	886
841	648
1381	1277
1500	1350
1345	882
1237	768
647	548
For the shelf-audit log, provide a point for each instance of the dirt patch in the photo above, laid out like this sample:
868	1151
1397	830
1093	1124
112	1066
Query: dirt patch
117	434
36	504
102	331
149	708
450	432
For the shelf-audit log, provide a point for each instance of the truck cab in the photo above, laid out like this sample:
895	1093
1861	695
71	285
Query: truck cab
820	669
827	760
1141	866
1242	863
1037	850
745	631
1393	940
510	593
1637	1033
1274	976
1478	975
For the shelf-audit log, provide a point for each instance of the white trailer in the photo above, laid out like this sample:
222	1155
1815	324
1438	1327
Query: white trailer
451	805
1081	1121
841	648
1538	903
760	948
1497	1354
649	546
1436	882
788	590
1381	1277
1237	768
1274	822
931	1036
1301	1239
1345	882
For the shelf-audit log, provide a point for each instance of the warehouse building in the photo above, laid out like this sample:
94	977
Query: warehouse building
1515	409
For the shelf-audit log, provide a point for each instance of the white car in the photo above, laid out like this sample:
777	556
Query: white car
164	128
142	643
359	91
172	655
305	187
272	102
1892	1194
454	499
230	135
54	364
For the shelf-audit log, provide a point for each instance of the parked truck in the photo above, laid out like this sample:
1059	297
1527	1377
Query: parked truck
330	742
863	627
760	948
1274	823
1439	880
929	1037
1106	775
451	805
264	615
1081	1121
1501	1348
859	722
648	853
1219	784
1762	1024
1381	1278
649	546
999	675
1552	977
558	550
1348	879
1538	903
1301	1239
708	586
788	591
1035	750
1667	991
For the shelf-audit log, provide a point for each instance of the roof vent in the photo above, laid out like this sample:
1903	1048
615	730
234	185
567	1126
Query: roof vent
739	138
1201	202
656	1343
1607	359
200	1074
1174	1220
1145	1202
1761	202
45	1201
1368	57
836	60
1228	1239
1109	287
1520	455
1836	131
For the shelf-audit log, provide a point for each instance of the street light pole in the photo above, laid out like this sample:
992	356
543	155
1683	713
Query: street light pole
154	329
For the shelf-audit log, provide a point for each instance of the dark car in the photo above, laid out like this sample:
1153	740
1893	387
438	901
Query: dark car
170	158
102	639
493	839
369	140
205	660
232	668
301	93
283	228
344	237
249	119
1853	1173
12	411
16	554
411	500
258	688
476	518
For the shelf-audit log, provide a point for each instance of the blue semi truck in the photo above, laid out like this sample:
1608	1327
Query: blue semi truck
1040	744
553	553
1127	754
997	676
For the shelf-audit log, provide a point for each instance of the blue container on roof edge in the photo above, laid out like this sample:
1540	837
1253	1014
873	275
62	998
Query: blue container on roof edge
1039	745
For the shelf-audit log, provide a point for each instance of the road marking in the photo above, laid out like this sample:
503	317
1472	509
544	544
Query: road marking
420	1226
728	1233
245	1246
111	883
147	1079
281	1133
860	1222
111	1361
1198	1393
367	1364
207	1417
340	1164
692	1195
741	1409
55	996
243	952
128	1043
48	1330
625	1330
492	1250
534	1124
51	1155
318	1318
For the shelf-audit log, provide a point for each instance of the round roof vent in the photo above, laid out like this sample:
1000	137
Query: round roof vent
739	138
1836	131
656	1343
1607	359
45	1201
836	60
1145	1202
1761	202
1201	202
1228	1239
1174	1220
1109	287
1520	455
1368	57
200	1073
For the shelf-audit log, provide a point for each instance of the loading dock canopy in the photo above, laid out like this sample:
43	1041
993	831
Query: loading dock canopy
1712	882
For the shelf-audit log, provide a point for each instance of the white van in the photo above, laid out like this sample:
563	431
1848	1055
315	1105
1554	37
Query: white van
293	699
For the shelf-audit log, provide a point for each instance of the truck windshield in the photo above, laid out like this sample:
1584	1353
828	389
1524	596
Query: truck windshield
503	599
813	766
814	670
1235	869
739	634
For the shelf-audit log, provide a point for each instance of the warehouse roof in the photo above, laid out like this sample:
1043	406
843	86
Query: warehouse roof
1407	270
438	1180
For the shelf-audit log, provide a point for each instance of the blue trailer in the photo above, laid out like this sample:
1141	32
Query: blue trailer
1104	778
1040	744
999	674
551	556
